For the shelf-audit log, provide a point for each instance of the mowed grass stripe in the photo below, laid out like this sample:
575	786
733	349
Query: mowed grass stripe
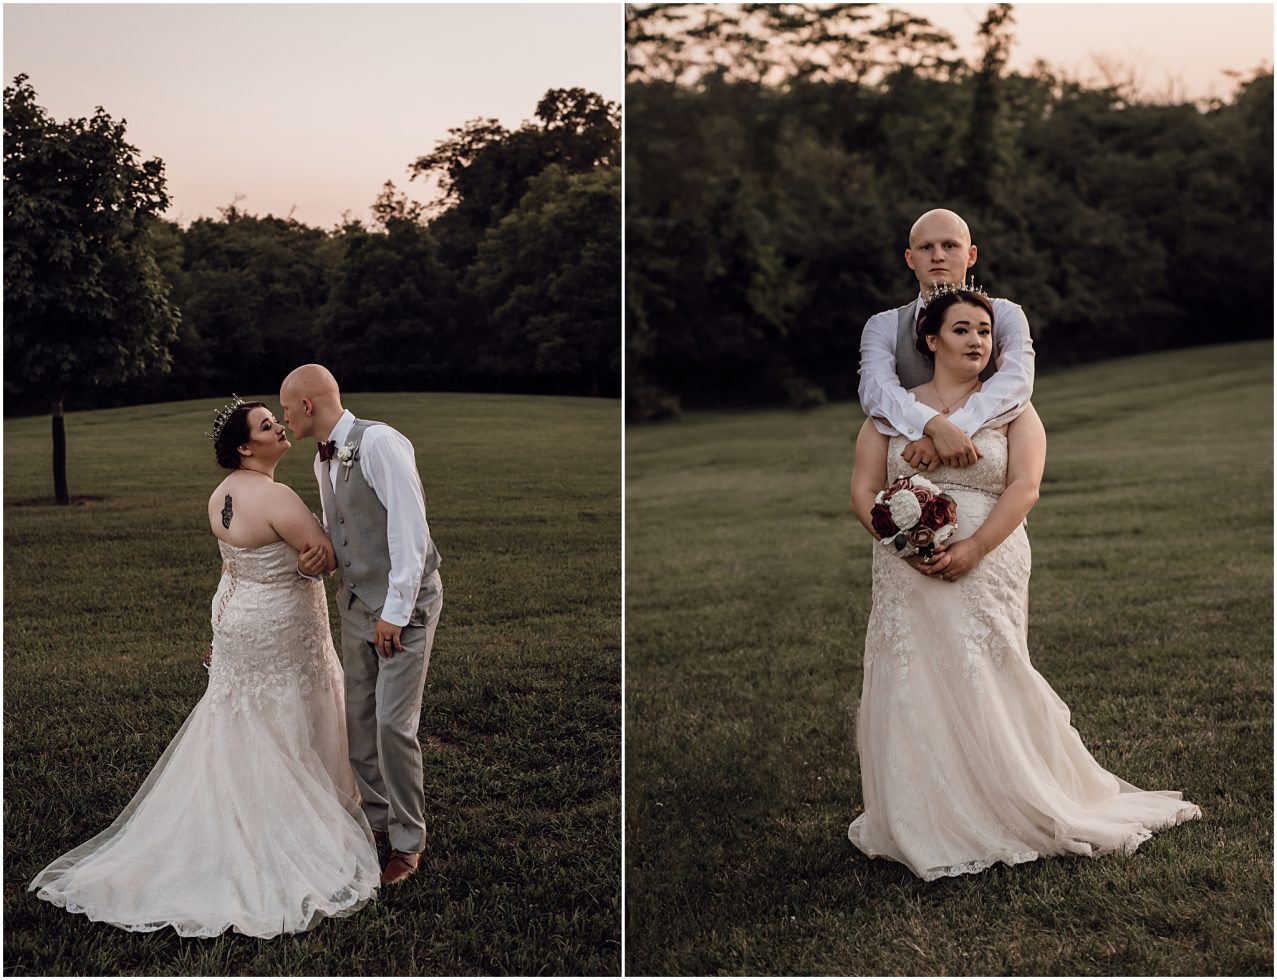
107	609
1150	614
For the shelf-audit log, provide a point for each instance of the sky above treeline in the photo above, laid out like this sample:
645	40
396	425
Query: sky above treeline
307	108
1182	50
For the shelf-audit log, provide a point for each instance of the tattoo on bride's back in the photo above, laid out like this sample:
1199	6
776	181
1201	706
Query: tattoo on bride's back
227	513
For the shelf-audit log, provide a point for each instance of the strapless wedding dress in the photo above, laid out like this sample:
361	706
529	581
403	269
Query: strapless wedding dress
251	818
967	757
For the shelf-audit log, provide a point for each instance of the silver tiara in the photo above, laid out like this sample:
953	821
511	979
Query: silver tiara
222	417
945	288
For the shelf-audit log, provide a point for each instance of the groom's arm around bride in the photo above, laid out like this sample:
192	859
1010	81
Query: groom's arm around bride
940	251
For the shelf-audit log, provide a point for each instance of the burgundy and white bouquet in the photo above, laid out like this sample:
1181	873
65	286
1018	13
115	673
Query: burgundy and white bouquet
912	516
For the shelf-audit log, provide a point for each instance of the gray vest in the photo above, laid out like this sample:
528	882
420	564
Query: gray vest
912	368
357	523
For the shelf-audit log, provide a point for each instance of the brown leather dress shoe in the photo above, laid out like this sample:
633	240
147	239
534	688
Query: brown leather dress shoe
400	867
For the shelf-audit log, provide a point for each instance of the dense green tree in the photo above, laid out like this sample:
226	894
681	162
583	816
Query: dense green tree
547	278
403	300
483	169
391	316
85	302
769	190
981	164
253	287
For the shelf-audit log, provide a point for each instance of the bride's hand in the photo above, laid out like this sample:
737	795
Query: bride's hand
929	566
313	561
961	557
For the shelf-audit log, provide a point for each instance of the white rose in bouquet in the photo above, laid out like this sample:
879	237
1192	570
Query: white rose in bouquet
922	483
905	509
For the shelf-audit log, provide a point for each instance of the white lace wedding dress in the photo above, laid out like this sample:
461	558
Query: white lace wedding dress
967	757
251	818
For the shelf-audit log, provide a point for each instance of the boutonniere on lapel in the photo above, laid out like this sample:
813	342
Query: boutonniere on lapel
347	455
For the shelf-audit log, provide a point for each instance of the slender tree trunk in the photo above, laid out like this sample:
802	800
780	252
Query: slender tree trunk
60	453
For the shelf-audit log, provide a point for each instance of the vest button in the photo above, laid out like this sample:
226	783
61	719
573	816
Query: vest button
347	563
341	519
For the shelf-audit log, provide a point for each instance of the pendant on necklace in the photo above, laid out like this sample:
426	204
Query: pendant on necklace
946	411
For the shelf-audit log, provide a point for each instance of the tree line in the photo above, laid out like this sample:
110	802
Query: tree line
777	154
508	282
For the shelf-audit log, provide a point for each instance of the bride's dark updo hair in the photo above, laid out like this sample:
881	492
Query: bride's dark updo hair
933	315
233	435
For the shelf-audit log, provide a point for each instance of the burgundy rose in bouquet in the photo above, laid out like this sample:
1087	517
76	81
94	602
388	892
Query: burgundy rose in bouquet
912	516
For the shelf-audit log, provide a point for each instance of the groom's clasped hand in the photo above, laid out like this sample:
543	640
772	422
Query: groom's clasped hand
985	377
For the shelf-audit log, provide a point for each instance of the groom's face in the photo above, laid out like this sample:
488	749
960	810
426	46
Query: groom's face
940	250
299	423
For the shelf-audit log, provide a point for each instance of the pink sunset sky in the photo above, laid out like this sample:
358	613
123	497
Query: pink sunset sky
305	106
1178	49
311	107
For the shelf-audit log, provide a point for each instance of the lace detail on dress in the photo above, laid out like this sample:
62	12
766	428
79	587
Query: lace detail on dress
270	630
255	791
987	474
967	756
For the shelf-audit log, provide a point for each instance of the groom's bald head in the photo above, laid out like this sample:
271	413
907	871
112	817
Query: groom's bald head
311	401
940	221
940	249
310	381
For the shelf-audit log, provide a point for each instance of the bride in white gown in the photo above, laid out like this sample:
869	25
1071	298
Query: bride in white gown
251	818
967	757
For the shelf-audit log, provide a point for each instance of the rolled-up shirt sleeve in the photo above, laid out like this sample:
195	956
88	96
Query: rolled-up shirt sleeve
1006	394
883	398
390	467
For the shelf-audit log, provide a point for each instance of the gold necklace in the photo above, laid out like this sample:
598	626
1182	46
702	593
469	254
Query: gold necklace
949	407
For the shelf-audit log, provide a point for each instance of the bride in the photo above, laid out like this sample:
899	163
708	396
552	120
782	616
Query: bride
967	755
251	818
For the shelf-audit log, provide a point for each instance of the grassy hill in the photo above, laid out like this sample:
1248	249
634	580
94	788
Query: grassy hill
106	613
747	593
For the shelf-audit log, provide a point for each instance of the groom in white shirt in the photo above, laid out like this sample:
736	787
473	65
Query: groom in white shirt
390	596
940	251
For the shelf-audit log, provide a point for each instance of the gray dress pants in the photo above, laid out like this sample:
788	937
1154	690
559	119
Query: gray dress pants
383	713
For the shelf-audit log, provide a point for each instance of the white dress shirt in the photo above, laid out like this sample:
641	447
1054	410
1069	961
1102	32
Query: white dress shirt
389	467
896	412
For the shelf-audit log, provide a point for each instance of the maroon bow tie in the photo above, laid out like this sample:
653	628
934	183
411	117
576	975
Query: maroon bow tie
327	450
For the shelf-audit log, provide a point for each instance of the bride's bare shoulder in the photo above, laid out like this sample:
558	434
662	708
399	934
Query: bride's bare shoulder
1026	425
216	497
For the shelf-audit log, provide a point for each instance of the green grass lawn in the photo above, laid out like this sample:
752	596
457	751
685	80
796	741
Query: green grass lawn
747	593
106	614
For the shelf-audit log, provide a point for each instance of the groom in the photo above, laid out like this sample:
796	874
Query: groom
940	251
389	597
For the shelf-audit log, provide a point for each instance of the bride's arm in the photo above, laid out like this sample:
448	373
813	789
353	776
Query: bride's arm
869	474
295	524
1026	452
